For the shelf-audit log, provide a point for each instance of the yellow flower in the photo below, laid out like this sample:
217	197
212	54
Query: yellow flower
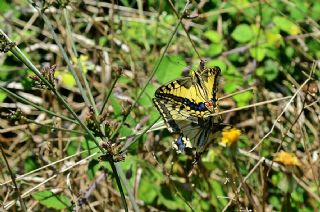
286	158
230	135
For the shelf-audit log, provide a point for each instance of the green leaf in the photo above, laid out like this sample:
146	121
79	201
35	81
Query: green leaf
125	131
90	146
213	36
116	105
243	99
208	160
275	202
217	191
72	147
148	190
214	49
258	53
230	87
242	33
218	63
315	12
274	38
299	11
170	68
3	95
93	167
286	25
52	200
289	51
67	78
168	199
5	7
146	99
269	71
30	163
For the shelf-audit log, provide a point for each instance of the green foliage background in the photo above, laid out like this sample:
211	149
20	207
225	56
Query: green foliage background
269	46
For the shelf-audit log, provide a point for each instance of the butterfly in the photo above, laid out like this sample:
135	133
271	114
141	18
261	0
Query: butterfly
186	105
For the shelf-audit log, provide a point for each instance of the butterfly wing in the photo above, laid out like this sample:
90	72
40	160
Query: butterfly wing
182	104
174	114
199	137
195	132
192	93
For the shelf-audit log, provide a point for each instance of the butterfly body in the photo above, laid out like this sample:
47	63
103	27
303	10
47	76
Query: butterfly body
186	104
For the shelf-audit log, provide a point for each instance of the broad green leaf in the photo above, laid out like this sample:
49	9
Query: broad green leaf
289	51
4	73
217	191
5	6
269	71
230	87
3	95
315	12
214	49
93	167
298	195
30	163
103	41
242	33
213	36
170	68
90	146
274	38
125	131
275	202
286	25
66	77
148	190
208	160
240	3
258	53
52	200
299	11
116	105
72	147
243	99
146	99
218	63
169	199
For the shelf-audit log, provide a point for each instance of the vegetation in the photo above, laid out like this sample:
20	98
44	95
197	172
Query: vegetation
79	130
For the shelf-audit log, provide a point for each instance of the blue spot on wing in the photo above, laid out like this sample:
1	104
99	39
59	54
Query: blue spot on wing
180	143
